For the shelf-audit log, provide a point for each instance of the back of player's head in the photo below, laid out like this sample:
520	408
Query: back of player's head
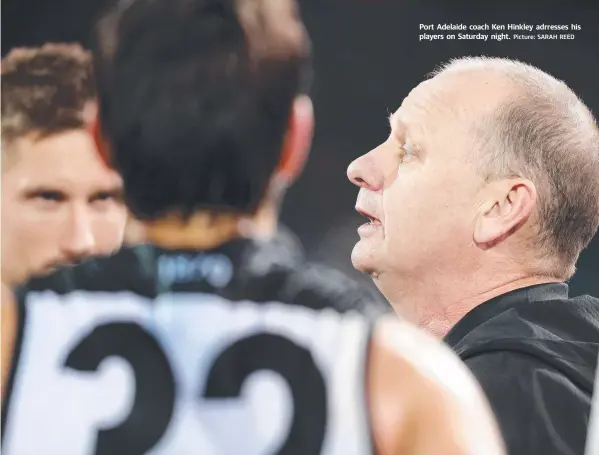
195	98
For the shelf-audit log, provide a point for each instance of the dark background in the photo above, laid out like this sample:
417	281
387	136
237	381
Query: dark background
368	57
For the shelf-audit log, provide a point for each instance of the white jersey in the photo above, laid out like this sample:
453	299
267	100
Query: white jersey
185	373
593	429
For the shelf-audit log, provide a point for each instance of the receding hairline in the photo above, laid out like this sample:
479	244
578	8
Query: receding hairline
528	87
524	78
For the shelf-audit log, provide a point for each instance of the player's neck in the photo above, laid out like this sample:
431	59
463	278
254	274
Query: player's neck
437	307
205	230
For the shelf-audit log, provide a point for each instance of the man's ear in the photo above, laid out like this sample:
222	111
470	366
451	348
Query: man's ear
508	205
101	143
298	140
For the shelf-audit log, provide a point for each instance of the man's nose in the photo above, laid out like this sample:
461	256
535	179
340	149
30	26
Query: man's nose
364	173
78	239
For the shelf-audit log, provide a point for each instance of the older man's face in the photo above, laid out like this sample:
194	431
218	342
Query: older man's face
419	188
60	204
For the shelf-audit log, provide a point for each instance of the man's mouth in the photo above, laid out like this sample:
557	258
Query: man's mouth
371	218
65	263
372	227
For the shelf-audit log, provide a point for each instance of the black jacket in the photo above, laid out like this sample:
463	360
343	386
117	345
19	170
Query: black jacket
534	351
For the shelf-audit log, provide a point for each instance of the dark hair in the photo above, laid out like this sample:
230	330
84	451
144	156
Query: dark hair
45	89
195	98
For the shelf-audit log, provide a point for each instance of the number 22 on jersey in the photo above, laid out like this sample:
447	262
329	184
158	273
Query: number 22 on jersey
104	374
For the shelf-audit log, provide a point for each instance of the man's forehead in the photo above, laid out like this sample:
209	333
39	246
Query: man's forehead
422	103
69	182
64	165
449	98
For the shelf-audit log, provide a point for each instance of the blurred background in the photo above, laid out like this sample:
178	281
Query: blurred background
367	58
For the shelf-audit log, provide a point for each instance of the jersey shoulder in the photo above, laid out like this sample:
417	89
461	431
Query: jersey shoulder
132	268
325	287
278	270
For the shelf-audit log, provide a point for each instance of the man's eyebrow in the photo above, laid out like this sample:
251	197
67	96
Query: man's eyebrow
392	120
395	122
36	190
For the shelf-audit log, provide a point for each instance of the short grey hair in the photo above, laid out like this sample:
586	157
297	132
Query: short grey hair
544	133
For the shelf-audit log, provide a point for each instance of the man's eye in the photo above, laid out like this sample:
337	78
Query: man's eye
108	196
407	150
404	152
410	148
53	196
104	196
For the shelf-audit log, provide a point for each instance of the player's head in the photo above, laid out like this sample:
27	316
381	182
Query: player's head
491	165
201	104
60	202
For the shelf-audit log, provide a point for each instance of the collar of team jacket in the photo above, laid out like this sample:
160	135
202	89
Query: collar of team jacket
488	310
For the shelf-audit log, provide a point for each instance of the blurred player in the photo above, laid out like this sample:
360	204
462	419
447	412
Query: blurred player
60	202
189	346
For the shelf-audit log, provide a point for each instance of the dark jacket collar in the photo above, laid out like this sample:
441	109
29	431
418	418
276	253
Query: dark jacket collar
499	304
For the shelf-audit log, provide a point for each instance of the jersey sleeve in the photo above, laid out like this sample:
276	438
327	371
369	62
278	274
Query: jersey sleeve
318	286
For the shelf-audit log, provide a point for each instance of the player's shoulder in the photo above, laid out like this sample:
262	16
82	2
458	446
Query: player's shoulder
131	268
325	287
417	358
430	388
278	269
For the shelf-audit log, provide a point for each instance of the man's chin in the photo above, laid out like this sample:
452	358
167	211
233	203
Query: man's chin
44	271
362	258
51	267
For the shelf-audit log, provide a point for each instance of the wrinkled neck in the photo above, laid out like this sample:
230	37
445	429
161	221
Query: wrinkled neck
438	307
